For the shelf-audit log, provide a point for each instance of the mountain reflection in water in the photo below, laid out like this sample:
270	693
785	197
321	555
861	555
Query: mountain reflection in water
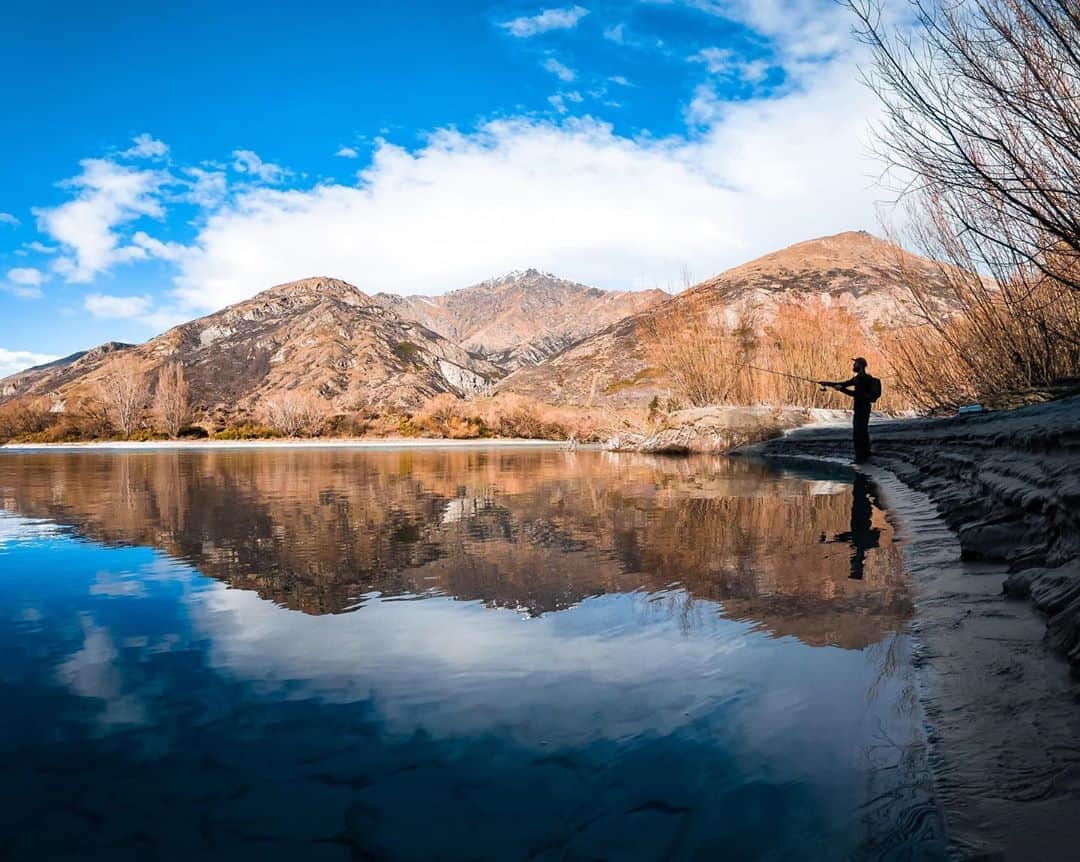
536	530
471	654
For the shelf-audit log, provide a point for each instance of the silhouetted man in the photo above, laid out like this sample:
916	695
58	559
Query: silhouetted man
864	390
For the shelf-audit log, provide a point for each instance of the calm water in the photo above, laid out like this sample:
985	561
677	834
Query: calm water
468	654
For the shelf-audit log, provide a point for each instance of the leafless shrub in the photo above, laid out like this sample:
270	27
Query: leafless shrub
20	418
124	393
982	111
759	360
294	413
446	415
172	399
702	355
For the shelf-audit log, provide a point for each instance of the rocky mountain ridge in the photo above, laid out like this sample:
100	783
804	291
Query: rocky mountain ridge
319	336
521	318
528	333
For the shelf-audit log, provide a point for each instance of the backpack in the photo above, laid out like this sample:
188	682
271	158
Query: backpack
873	389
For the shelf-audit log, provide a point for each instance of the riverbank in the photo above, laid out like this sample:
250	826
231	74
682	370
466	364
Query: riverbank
280	443
719	429
989	505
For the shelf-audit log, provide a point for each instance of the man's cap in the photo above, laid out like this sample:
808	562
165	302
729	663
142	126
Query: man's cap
858	360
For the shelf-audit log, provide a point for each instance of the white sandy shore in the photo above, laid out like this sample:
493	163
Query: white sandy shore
386	443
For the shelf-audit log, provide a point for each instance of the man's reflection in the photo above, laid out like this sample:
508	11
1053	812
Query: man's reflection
862	536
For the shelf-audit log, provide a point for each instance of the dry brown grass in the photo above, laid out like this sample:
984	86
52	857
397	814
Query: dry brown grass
713	360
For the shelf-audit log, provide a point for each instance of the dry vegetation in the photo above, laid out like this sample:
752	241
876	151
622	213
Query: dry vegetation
124	392
295	414
713	360
504	415
172	399
982	131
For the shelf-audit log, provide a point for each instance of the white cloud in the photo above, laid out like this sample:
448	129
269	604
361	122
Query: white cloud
206	188
545	21
616	33
559	100
620	80
41	248
22	291
107	195
347	153
26	275
559	70
12	361
726	63
573	198
171	251
145	146
24	282
799	31
105	306
248	162
9	219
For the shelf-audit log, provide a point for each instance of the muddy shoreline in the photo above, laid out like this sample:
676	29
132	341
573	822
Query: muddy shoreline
988	508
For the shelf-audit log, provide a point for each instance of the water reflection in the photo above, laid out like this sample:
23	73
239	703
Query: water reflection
863	535
549	656
537	531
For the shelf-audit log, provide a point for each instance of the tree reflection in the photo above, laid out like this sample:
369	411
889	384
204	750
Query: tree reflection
534	530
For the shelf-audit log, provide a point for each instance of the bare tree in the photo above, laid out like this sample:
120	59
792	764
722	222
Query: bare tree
172	399
124	393
982	112
294	413
982	129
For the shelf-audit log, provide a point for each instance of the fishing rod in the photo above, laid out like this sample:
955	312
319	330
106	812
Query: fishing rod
785	374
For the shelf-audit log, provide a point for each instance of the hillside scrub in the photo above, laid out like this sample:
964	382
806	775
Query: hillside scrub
32	422
504	415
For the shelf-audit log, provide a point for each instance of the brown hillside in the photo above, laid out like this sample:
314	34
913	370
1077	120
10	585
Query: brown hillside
318	335
853	271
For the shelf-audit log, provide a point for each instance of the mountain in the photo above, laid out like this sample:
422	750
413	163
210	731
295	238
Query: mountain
25	380
854	271
318	336
522	318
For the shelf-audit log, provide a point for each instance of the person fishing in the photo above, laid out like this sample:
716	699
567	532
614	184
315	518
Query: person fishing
864	389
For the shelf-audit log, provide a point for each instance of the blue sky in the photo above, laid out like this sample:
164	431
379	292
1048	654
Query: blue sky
163	161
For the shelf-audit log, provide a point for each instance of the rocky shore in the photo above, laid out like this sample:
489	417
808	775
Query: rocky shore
990	507
716	430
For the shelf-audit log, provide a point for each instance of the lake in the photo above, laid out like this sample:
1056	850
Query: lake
469	653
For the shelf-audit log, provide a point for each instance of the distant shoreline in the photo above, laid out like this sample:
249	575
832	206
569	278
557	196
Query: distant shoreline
313	443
